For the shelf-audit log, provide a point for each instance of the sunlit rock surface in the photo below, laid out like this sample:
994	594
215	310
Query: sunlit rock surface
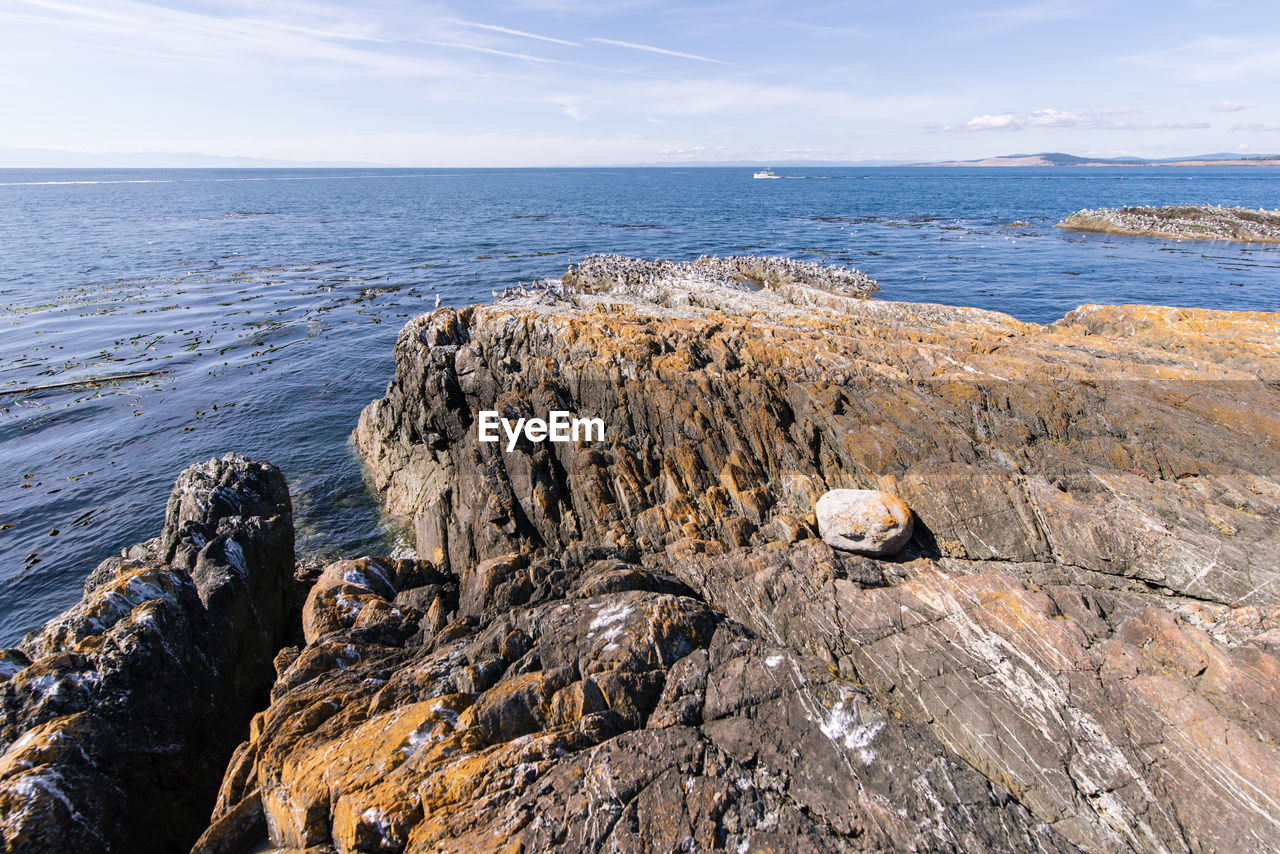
583	701
1086	616
645	644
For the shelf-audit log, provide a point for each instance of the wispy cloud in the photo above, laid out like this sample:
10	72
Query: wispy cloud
592	8
1257	127
492	51
1049	118
88	45
1212	59
988	23
1226	107
571	108
510	32
651	49
225	40
761	16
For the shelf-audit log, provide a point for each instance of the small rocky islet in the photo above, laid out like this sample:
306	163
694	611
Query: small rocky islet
650	643
1181	222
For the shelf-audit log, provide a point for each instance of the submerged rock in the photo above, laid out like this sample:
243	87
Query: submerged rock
866	521
118	716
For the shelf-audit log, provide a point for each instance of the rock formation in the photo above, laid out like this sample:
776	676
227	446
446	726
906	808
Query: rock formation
644	643
579	702
1191	222
1086	616
794	280
118	717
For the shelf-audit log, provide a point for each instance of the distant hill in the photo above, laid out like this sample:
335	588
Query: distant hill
37	158
1059	159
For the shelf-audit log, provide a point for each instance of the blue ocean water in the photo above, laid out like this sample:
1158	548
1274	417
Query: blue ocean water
271	299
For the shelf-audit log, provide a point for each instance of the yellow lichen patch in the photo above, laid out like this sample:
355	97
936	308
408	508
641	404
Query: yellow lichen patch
43	744
378	817
574	701
337	597
301	804
476	777
455	782
516	706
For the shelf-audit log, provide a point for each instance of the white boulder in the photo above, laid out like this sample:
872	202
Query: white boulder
865	521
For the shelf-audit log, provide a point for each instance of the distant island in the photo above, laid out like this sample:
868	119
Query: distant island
1059	159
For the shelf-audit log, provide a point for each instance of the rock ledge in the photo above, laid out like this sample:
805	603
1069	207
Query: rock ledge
1190	222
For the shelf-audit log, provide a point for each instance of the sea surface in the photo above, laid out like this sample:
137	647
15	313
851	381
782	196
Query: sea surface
267	303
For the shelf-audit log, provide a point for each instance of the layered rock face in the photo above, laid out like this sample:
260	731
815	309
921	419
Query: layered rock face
1078	646
577	702
117	717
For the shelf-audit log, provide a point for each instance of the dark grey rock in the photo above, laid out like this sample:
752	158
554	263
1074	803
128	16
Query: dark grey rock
119	715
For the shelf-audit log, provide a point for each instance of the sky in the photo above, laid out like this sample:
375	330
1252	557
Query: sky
567	82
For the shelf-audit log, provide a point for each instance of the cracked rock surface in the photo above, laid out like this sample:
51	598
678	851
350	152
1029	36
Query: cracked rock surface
1084	624
645	644
582	702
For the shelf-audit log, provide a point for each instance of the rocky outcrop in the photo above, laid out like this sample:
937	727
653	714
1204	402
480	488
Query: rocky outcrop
1117	720
1191	222
117	717
1084	625
1131	447
581	702
648	642
795	280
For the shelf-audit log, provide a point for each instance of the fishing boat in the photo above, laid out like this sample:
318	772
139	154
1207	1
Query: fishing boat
764	173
